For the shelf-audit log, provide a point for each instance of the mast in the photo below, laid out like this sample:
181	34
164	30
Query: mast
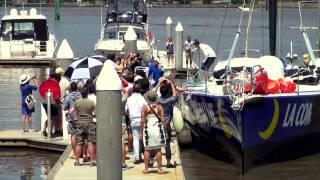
272	26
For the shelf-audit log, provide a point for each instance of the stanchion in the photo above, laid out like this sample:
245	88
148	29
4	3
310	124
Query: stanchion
49	112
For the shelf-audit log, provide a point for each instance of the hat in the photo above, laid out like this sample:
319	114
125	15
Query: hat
24	79
151	97
196	42
137	78
59	70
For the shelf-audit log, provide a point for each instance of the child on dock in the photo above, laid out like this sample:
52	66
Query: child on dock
27	100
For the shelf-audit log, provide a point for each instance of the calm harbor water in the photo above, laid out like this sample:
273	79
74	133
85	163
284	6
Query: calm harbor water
25	163
81	27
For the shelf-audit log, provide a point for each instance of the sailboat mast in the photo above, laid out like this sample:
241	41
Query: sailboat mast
272	26
319	27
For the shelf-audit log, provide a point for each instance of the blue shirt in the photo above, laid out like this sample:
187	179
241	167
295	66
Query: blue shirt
155	73
167	104
26	89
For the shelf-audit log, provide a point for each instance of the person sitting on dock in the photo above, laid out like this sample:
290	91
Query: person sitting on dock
152	130
68	104
133	109
86	128
26	93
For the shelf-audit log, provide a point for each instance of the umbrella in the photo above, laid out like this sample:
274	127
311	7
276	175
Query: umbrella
85	68
51	85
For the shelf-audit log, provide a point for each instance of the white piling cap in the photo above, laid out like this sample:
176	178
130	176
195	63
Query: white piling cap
179	27
108	79
169	21
130	34
65	51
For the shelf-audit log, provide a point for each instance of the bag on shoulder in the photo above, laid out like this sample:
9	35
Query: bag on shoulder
30	101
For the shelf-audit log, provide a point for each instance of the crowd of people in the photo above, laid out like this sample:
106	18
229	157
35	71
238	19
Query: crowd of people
148	101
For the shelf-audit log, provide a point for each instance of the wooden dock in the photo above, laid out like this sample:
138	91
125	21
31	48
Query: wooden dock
66	170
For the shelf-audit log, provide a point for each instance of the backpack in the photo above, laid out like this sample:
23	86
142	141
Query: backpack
30	101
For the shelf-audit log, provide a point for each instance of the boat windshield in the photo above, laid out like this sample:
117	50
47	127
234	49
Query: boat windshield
24	29
115	32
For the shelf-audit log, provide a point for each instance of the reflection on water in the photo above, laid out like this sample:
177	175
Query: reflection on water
197	165
10	98
25	163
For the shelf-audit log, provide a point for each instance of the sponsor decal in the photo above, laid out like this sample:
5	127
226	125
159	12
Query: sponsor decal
298	115
266	134
225	128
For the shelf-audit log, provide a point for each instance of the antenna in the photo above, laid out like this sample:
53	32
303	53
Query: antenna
101	20
5	7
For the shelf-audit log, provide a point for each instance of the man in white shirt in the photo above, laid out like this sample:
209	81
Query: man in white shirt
208	52
133	108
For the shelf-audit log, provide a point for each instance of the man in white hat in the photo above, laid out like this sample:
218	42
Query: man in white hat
27	101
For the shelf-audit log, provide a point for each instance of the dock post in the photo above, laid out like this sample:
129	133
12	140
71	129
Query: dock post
108	112
130	41
57	10
179	46
168	28
49	113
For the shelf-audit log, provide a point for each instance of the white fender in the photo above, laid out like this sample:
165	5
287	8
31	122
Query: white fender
177	119
187	114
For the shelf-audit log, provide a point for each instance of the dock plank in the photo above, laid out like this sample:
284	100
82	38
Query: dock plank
70	172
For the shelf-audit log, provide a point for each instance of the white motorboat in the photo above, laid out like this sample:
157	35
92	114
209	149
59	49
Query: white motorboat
25	37
116	39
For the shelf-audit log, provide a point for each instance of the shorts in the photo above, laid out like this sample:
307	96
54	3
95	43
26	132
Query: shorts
26	111
72	129
124	133
86	131
54	109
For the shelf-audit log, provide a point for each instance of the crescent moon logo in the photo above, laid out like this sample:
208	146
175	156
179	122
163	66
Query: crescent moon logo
274	122
225	128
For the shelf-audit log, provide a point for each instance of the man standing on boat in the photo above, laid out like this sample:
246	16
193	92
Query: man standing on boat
208	52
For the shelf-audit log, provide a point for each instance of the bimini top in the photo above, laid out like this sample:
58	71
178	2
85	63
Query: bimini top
23	14
126	11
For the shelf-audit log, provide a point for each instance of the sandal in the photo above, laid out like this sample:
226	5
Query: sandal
170	165
145	172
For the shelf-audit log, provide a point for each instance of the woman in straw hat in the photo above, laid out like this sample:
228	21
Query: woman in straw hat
152	131
27	109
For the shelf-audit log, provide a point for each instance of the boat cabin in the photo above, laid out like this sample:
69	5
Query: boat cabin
20	27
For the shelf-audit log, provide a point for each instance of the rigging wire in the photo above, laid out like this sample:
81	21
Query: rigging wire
262	28
224	18
249	26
